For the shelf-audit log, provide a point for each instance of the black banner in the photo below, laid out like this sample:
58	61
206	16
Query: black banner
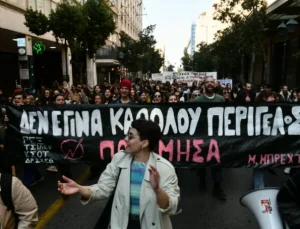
194	135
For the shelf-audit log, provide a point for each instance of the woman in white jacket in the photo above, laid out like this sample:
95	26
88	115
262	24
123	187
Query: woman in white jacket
147	192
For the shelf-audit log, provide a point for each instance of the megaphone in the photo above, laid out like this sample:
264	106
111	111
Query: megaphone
263	204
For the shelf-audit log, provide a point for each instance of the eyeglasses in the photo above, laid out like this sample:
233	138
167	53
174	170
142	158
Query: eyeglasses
157	96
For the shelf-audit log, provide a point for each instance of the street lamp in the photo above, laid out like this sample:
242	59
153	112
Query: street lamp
121	55
292	25
284	30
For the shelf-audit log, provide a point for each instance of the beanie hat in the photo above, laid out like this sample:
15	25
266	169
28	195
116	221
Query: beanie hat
18	90
125	83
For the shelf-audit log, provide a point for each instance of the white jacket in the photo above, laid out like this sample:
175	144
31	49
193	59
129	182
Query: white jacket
151	216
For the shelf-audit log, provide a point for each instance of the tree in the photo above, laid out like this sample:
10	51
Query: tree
140	55
247	19
81	27
100	24
204	58
187	61
170	68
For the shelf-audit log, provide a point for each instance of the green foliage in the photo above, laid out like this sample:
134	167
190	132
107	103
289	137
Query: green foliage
82	27
244	37
68	22
170	68
247	23
236	11
100	24
187	61
204	58
37	22
140	55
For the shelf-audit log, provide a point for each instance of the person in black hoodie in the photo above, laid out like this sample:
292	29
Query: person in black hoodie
246	95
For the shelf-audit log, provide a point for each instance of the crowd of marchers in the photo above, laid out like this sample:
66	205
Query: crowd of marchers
22	210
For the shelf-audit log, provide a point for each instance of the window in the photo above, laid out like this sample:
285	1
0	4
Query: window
32	4
18	3
40	6
22	4
53	6
47	4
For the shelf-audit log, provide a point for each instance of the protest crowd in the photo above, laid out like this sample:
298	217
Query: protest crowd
128	92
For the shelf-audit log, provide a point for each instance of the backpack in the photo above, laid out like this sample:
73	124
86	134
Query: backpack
6	190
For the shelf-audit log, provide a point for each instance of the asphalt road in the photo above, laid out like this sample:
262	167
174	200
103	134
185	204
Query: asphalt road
199	208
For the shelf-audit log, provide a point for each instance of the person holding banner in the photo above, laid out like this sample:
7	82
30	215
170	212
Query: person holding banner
145	184
259	173
209	95
64	169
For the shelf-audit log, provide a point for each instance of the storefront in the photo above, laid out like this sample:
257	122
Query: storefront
282	42
25	58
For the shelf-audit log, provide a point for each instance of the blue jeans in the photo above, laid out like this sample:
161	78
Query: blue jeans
258	178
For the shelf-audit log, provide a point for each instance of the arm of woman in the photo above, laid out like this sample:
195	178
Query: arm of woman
167	191
99	191
106	184
171	189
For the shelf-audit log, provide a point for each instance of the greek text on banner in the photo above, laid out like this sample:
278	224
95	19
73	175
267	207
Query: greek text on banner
194	135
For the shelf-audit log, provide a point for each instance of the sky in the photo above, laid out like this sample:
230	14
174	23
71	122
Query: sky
173	20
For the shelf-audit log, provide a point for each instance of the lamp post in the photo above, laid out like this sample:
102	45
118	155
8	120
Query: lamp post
284	30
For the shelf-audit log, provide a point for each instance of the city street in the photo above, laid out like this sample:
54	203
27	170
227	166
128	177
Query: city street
82	80
199	209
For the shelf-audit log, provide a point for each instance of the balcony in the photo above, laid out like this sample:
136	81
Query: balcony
107	52
45	6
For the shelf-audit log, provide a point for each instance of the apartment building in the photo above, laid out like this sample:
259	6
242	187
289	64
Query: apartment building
129	19
207	26
20	63
161	49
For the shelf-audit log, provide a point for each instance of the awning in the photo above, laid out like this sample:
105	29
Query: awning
283	10
107	62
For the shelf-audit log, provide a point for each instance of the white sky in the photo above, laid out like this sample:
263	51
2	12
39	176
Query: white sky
173	19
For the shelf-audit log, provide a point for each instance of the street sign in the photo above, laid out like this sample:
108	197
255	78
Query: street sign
21	42
24	74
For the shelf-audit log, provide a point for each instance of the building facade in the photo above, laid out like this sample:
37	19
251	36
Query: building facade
129	19
162	50
21	62
207	26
